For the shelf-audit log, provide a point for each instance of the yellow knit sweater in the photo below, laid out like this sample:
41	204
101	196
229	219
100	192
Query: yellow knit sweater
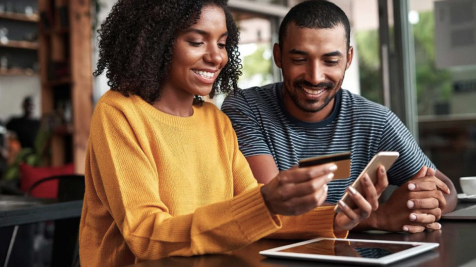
159	185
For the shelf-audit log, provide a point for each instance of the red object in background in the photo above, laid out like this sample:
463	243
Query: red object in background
49	189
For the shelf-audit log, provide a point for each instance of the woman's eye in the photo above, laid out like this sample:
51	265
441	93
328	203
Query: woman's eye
221	45
196	43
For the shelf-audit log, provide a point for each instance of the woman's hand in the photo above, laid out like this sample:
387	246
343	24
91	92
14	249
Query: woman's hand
298	190
348	218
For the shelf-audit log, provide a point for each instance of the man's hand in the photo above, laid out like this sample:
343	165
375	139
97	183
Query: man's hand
414	206
348	218
298	190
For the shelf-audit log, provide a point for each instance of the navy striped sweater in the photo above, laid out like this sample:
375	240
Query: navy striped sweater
264	127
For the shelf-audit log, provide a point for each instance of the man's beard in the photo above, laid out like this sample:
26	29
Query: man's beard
298	84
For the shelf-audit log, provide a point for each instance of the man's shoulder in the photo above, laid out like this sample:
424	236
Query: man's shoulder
361	105
254	94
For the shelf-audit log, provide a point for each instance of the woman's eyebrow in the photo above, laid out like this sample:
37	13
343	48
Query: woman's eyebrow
202	32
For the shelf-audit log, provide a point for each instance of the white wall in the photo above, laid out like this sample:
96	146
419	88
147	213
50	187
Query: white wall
100	83
12	91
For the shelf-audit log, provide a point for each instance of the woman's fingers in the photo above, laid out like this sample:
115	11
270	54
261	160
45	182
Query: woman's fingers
305	188
303	204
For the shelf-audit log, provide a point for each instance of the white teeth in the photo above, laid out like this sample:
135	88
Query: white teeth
313	92
204	74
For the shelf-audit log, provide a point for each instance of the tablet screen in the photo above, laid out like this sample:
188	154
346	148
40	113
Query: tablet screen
349	248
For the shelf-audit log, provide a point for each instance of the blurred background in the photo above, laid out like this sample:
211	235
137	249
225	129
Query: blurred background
416	57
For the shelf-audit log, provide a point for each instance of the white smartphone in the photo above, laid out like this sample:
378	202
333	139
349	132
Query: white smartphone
384	158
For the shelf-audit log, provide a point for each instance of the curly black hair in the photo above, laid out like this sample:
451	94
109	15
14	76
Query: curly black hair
136	44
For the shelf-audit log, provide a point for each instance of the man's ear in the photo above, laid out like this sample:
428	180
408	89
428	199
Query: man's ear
277	56
350	55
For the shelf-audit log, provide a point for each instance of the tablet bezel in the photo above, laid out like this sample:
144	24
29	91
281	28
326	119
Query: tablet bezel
422	247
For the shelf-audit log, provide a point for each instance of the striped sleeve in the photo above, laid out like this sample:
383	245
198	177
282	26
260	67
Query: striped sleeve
396	137
247	125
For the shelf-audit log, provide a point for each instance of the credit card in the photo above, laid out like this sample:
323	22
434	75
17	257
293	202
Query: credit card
342	160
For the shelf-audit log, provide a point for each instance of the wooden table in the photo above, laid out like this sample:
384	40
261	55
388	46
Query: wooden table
457	241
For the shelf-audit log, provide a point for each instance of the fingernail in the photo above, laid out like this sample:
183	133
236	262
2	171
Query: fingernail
405	228
382	169
365	180
325	188
439	225
412	217
330	176
341	203
449	192
352	190
333	167
410	204
411	186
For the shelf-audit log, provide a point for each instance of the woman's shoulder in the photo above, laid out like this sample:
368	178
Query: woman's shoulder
114	98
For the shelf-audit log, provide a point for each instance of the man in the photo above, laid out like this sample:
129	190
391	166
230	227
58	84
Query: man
25	127
309	114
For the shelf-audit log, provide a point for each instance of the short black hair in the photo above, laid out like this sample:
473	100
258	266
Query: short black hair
27	100
316	14
136	44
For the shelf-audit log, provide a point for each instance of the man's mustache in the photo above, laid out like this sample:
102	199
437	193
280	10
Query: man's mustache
322	85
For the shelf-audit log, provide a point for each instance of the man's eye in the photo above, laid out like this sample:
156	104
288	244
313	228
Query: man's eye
298	60
332	62
196	43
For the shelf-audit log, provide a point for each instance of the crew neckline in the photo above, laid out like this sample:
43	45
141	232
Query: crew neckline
169	119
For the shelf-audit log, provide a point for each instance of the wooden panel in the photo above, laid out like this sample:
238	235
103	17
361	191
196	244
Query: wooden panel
20	17
20	44
46	92
81	75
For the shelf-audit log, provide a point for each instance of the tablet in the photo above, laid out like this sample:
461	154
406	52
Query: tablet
355	251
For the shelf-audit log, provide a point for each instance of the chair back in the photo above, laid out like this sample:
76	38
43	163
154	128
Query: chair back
70	187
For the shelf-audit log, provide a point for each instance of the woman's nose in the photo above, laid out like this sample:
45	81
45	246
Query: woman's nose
214	55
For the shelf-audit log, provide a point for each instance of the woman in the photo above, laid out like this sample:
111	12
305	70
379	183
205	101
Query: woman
164	175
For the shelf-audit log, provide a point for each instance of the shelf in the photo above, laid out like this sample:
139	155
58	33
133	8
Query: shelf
64	129
62	30
60	81
20	45
20	17
17	72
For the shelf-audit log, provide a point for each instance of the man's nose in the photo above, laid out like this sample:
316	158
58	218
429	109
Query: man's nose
315	74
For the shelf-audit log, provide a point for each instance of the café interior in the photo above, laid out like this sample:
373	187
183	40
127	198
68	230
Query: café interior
416	57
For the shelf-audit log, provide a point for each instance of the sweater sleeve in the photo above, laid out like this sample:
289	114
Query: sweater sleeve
316	223
126	182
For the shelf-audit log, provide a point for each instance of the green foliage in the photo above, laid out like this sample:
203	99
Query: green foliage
31	156
369	65
433	85
257	64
